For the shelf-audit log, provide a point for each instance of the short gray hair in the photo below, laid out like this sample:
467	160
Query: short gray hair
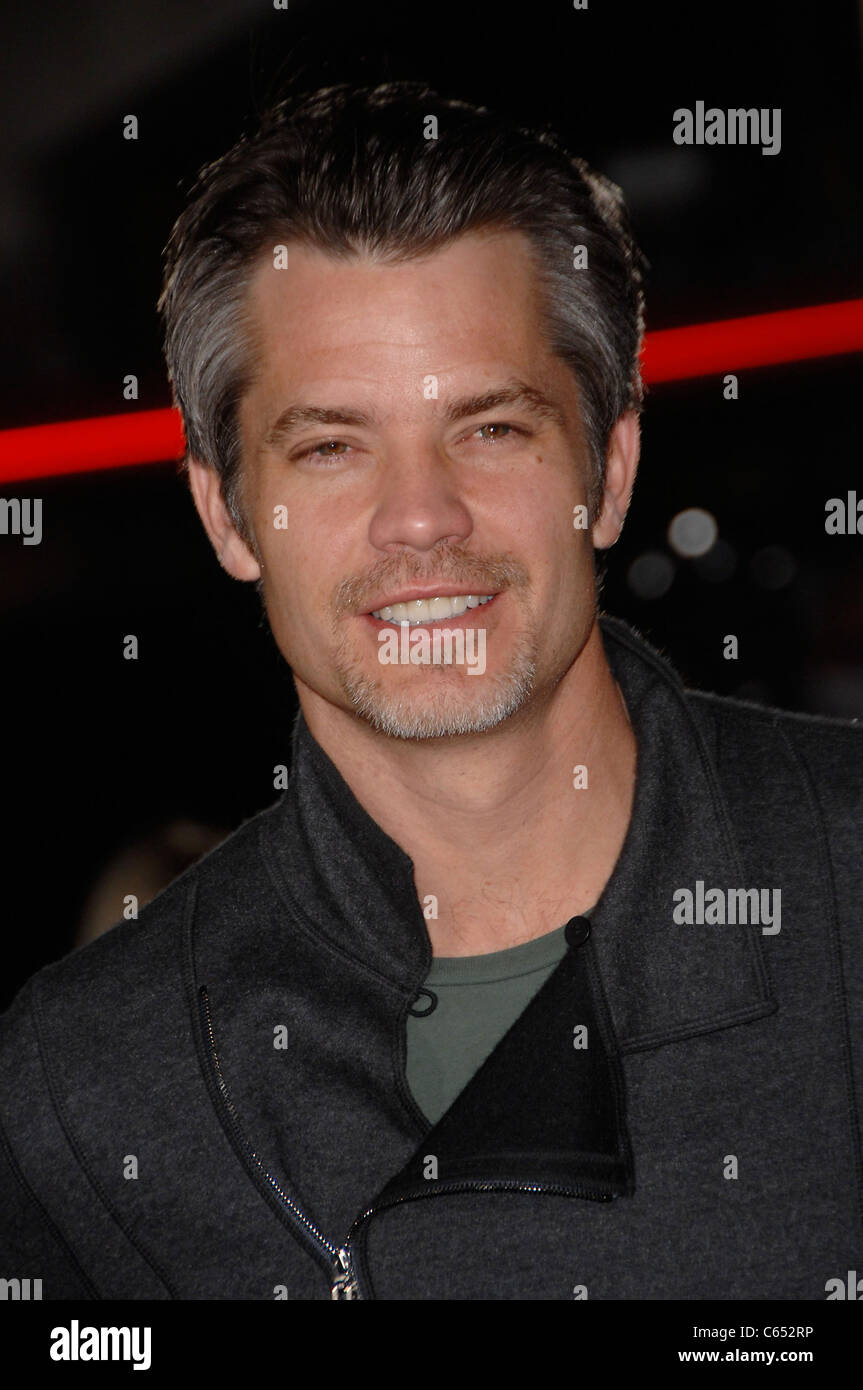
349	171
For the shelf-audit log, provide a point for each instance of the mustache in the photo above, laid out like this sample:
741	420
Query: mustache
477	576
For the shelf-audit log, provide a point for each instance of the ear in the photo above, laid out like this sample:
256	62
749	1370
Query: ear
233	552
621	463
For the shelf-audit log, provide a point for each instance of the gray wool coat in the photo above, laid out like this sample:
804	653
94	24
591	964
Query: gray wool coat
243	1042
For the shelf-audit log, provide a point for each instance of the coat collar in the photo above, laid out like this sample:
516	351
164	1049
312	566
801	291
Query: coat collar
354	886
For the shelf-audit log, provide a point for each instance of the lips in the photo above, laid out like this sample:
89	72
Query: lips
426	592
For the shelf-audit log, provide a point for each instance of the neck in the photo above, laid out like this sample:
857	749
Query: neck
504	846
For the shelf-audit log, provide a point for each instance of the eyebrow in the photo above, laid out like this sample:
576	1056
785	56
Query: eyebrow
513	392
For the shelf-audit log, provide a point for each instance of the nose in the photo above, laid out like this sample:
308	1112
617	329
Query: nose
419	505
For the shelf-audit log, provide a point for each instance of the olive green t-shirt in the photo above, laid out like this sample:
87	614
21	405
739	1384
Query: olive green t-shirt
479	998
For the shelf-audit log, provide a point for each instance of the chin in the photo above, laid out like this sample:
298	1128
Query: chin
448	713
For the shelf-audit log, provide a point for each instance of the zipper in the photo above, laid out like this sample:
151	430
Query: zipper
339	1260
345	1284
463	1185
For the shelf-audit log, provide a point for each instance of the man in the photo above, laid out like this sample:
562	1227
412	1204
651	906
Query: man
539	980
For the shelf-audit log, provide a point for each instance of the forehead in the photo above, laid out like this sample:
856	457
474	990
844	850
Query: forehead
477	292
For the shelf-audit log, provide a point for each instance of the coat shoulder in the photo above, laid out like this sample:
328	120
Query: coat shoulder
831	747
786	762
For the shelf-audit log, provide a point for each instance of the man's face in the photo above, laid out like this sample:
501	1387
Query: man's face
406	479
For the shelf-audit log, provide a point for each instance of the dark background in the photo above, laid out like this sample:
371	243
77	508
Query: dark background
97	749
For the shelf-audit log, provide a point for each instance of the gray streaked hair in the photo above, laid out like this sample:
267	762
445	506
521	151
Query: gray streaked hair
348	170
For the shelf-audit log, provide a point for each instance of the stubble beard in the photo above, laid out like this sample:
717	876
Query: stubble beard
436	706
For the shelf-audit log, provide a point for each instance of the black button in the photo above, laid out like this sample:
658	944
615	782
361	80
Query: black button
576	931
423	1013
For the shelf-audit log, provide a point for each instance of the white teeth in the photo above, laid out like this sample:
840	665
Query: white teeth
430	610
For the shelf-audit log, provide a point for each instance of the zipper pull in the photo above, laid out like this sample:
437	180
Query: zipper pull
344	1284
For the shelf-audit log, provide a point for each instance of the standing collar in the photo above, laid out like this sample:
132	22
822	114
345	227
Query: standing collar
354	886
664	980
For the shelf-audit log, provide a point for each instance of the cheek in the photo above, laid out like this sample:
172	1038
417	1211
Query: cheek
542	517
281	533
302	568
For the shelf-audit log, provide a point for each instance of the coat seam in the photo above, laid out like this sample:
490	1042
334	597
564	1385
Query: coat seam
696	1030
609	1041
398	1060
45	1217
75	1148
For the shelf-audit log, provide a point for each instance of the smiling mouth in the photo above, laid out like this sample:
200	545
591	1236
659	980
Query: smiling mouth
427	611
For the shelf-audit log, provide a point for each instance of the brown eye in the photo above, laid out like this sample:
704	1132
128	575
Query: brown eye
495	426
328	448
